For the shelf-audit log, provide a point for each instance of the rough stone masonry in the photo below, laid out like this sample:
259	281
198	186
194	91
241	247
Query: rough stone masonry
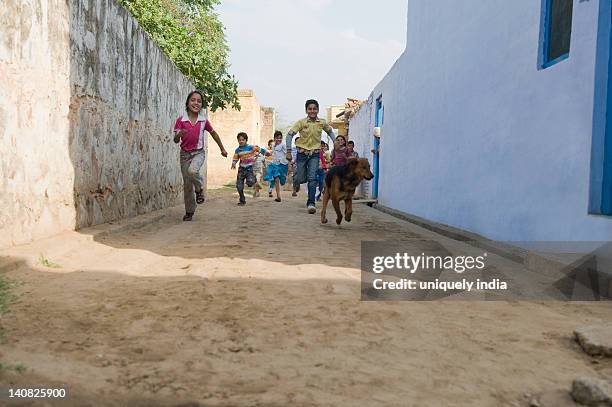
87	103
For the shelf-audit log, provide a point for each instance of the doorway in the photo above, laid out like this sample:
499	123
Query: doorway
378	121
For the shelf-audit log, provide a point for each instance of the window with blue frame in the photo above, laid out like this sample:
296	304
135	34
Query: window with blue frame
600	194
556	31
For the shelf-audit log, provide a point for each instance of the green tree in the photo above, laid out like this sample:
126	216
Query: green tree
191	34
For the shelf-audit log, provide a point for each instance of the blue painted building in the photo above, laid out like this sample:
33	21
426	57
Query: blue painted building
497	119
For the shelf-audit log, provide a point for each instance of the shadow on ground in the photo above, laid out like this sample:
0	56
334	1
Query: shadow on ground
116	339
265	230
173	341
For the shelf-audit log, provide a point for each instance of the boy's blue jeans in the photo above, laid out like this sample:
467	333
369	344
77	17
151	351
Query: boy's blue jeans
307	166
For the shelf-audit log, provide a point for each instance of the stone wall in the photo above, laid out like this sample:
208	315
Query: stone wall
126	95
268	125
253	119
87	103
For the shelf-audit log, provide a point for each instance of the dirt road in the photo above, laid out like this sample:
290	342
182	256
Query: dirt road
259	306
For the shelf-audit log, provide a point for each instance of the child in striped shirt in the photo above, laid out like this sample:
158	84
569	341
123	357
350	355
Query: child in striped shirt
246	154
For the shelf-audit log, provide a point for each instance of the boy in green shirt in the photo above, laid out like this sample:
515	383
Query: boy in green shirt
308	148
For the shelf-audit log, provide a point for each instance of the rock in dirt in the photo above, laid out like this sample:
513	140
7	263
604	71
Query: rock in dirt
592	392
596	340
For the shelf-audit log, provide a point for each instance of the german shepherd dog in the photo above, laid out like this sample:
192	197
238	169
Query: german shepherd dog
340	184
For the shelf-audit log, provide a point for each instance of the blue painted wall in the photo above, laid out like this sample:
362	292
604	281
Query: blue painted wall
476	136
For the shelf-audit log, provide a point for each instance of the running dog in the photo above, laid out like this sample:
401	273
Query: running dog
340	184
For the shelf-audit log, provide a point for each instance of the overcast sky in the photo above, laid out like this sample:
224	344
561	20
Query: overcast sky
288	51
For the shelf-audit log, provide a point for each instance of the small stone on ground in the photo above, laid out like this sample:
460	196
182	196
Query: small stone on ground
596	340
592	391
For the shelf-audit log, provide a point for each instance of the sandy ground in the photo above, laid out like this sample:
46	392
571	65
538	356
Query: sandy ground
260	306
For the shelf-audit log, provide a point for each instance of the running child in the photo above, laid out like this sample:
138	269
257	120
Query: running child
189	131
294	179
245	153
323	166
351	149
308	148
340	154
267	163
277	170
259	171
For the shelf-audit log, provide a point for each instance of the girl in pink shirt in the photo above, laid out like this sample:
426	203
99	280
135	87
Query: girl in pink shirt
340	153
189	131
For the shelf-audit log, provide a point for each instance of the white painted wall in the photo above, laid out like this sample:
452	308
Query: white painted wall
36	172
475	136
